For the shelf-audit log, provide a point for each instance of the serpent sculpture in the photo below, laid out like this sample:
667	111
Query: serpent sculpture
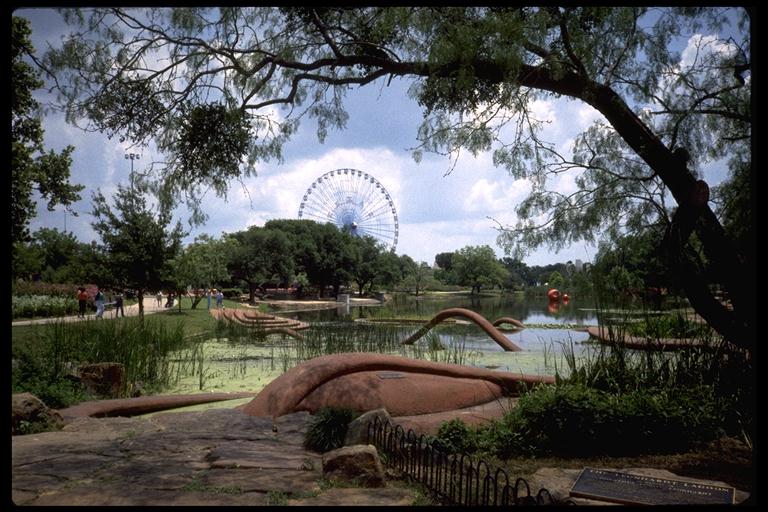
268	324
481	322
508	320
367	381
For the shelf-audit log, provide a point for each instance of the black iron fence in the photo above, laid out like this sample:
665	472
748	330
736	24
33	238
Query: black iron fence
453	478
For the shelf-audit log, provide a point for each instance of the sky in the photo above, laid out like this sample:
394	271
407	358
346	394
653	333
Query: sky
437	211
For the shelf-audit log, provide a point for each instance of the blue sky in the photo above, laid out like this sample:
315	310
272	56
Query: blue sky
437	212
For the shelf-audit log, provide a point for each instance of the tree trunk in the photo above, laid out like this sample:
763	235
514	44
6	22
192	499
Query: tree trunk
729	266
140	296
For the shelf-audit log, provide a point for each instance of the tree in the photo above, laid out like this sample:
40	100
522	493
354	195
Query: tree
444	273
636	260
58	257
58	251
556	280
366	267
475	71
321	251
373	264
519	273
260	256
416	276
477	266
31	167
389	270
137	242
201	264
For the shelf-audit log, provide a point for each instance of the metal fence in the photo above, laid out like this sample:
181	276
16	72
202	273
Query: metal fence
453	478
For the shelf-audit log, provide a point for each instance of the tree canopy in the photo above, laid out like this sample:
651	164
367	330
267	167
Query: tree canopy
259	257
477	267
154	74
32	168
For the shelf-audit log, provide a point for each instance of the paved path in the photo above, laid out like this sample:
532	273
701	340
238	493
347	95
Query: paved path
219	457
150	306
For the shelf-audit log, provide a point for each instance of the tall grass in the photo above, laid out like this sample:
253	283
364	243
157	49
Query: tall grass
613	400
43	361
341	337
725	380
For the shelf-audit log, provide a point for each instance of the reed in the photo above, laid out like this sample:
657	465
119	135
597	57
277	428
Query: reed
142	347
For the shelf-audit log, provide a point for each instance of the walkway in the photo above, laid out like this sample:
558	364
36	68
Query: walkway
150	306
219	457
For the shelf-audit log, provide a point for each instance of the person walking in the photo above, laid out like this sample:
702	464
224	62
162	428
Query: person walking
99	300
82	302
119	311
220	299
208	294
159	298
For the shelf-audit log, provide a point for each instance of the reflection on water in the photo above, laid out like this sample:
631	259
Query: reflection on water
527	310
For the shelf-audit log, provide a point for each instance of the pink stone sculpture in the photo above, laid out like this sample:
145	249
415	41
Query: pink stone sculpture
269	324
508	320
366	381
481	322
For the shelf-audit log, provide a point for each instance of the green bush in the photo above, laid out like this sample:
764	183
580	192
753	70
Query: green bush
455	436
232	293
29	306
328	428
41	288
573	420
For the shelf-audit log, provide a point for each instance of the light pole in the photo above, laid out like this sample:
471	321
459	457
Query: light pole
132	157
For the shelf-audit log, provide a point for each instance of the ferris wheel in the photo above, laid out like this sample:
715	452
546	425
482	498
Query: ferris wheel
353	200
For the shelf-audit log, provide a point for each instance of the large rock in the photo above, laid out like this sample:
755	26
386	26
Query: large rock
359	464
357	431
103	379
29	415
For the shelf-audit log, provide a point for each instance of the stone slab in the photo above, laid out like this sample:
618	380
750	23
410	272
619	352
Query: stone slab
632	489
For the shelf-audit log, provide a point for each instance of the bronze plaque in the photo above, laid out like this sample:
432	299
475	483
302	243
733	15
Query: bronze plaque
391	375
629	489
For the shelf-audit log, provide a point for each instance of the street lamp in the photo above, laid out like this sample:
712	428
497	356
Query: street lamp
132	157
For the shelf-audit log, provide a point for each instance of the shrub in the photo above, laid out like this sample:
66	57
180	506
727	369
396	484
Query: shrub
328	428
232	293
41	288
455	436
29	306
573	420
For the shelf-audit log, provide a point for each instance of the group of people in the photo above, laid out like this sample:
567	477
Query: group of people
99	301
211	294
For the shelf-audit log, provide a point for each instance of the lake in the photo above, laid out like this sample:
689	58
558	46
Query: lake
249	366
